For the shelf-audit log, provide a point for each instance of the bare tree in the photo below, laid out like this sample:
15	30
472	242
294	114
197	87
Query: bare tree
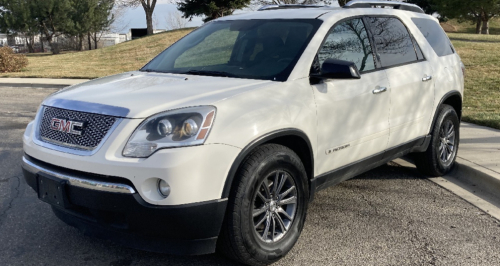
149	7
120	23
156	21
174	20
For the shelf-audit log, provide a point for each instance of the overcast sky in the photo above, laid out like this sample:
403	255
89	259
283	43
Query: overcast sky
135	17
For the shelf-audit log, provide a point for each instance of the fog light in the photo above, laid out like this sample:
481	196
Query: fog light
139	149
163	188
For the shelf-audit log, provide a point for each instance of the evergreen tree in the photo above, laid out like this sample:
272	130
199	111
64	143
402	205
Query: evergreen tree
212	9
102	20
90	18
18	18
54	18
426	5
82	17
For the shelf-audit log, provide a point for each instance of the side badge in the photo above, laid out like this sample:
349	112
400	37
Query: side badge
330	151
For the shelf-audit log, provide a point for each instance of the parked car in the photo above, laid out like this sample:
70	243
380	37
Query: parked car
222	140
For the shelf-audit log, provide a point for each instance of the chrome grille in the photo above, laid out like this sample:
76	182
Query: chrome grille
96	128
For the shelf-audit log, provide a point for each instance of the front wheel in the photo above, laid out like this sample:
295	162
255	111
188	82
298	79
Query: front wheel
440	156
267	207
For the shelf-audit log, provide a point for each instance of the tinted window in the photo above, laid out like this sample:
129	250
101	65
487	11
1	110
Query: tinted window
392	40
347	41
434	35
256	49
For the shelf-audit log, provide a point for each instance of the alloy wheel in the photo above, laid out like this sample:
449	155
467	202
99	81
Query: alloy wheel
447	144
274	206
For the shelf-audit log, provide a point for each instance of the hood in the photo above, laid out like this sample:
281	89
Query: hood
143	94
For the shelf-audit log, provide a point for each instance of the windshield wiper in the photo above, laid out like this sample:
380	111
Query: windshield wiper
210	73
148	70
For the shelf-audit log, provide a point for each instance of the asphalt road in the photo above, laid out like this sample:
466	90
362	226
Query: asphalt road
388	216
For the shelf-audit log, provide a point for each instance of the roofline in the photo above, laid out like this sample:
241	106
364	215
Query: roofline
274	7
375	3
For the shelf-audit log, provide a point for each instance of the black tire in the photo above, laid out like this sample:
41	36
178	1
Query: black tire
239	239
432	162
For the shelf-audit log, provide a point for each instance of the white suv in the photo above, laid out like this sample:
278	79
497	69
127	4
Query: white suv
221	141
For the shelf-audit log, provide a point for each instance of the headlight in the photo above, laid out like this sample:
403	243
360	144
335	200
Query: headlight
177	128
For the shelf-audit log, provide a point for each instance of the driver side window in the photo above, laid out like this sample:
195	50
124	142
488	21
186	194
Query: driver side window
347	41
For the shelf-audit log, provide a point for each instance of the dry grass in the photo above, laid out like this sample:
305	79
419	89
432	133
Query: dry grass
474	37
481	56
98	63
467	27
482	81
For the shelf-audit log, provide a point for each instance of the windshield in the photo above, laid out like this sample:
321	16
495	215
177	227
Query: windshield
254	49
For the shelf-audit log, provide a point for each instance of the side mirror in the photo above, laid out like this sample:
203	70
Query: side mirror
338	69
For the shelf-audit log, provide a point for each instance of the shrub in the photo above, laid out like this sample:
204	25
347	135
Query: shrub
11	62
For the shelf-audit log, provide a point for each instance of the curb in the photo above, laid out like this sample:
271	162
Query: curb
476	175
39	82
35	85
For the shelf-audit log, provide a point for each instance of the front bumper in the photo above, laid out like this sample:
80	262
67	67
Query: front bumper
110	208
194	173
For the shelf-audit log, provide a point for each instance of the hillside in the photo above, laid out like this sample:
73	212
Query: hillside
123	57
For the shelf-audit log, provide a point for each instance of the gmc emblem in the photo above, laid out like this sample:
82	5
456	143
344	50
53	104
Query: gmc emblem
66	126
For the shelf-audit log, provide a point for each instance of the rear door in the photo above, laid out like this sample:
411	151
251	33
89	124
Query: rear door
353	114
447	75
410	78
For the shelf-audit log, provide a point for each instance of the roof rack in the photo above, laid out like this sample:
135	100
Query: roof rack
273	7
375	3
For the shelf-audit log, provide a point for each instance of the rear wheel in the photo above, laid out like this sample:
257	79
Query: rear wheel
267	207
440	156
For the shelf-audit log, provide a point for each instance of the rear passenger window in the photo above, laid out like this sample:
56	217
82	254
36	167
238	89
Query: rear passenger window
435	36
392	40
347	41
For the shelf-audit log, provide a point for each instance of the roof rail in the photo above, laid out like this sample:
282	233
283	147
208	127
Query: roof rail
375	3
273	7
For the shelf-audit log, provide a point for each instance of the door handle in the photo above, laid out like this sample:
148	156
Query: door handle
379	90
426	78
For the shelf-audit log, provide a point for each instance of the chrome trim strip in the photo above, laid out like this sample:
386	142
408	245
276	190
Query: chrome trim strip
77	150
94	108
59	143
79	182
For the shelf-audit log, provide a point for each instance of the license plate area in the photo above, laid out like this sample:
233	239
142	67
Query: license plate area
52	190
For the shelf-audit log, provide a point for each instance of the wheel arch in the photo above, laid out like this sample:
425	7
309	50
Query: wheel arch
294	139
452	98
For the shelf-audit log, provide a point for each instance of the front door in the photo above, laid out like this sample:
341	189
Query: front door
353	115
